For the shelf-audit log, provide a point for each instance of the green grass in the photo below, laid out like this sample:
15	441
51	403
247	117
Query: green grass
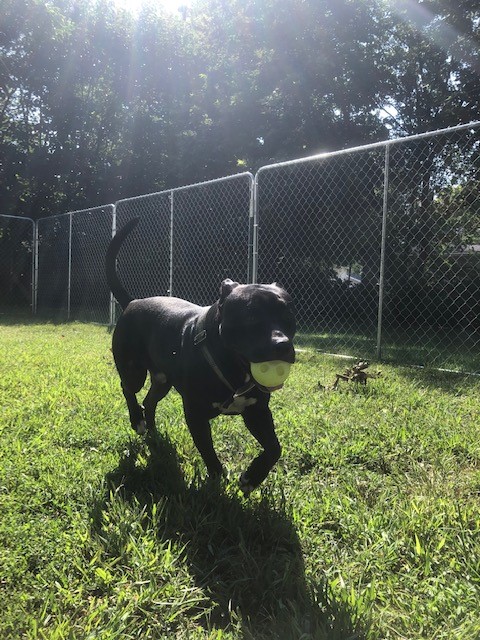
453	349
368	528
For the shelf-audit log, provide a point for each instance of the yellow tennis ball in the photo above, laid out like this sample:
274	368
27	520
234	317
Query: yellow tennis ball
271	374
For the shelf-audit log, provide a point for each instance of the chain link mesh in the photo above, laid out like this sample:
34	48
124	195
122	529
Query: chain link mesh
71	281
432	259
16	264
320	235
91	235
210	237
379	246
413	299
144	259
188	239
53	266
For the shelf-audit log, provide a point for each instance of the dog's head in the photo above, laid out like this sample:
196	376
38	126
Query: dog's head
257	321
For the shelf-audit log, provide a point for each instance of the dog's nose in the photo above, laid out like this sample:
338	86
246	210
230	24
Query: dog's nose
283	347
279	338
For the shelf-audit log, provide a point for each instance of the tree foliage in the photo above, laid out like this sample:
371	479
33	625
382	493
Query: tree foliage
96	104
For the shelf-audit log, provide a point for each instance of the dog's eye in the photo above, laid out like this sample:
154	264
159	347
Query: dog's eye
247	324
289	324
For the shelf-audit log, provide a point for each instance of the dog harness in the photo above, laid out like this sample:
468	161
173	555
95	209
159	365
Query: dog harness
200	339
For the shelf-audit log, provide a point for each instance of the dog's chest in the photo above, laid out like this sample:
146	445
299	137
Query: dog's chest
238	405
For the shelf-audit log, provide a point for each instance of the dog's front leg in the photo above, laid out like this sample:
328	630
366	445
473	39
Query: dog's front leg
202	436
259	422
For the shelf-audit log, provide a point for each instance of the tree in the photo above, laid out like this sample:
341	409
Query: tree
92	105
95	106
289	78
433	51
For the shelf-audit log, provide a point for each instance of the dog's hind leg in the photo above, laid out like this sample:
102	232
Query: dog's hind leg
133	379
135	410
158	390
132	369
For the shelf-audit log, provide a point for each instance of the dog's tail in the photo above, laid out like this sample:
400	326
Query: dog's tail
114	283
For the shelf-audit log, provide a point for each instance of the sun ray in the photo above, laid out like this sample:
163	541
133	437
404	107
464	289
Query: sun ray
438	31
135	6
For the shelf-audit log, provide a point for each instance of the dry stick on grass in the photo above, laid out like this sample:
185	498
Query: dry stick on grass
357	373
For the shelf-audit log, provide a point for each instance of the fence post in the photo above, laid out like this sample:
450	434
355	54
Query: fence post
381	283
34	240
170	281
253	234
114	231
35	267
69	284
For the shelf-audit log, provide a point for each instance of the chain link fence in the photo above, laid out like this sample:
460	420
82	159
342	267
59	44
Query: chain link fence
53	267
379	246
431	305
16	264
70	282
319	234
144	259
188	240
89	292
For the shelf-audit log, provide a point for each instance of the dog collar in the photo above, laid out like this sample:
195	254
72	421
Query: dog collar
200	339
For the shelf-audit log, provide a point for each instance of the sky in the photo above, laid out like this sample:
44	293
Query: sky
134	5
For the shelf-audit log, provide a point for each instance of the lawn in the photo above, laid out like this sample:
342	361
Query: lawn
368	528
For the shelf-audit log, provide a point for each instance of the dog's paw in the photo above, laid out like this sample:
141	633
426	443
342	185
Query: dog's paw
245	485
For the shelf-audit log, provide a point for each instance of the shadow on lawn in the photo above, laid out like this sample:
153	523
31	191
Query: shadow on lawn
445	381
246	556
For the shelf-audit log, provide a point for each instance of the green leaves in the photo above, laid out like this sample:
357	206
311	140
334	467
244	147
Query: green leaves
96	105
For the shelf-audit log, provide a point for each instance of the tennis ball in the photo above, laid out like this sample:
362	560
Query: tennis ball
271	374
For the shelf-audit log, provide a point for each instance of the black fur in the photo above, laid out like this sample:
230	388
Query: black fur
177	341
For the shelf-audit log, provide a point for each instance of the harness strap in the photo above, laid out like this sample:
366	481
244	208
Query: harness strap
200	339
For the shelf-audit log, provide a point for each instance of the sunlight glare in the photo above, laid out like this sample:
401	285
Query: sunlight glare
134	6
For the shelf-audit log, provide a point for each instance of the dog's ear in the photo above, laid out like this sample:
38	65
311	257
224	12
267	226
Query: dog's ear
226	289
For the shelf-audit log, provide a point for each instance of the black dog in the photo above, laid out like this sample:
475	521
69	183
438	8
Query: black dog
204	353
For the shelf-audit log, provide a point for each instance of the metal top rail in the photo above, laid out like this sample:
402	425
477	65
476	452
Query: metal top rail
6	215
77	211
368	147
234	176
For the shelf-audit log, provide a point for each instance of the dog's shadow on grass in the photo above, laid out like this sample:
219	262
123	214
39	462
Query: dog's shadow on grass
244	554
